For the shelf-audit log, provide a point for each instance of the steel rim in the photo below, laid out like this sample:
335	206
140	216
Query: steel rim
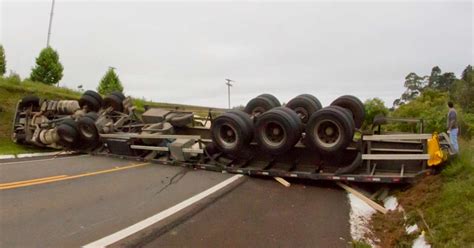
67	137
328	133
87	131
274	135
258	111
302	113
228	136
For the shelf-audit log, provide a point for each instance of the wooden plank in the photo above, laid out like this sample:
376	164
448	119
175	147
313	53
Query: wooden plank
397	137
395	156
361	196
282	181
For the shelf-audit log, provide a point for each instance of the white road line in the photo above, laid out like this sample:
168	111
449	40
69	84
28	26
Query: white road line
40	160
103	242
41	154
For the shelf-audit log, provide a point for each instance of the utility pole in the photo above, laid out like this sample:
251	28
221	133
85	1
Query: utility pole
228	83
50	23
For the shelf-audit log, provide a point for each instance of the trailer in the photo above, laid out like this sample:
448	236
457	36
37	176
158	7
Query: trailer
300	140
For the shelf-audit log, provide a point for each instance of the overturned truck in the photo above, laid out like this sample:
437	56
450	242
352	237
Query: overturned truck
302	139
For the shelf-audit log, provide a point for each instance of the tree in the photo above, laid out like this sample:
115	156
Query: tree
445	81
434	76
467	70
414	85
374	107
462	91
48	69
3	62
110	83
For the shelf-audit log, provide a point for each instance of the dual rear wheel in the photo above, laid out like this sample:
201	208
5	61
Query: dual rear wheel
327	130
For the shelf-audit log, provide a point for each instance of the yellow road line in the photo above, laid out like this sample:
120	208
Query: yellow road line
71	177
32	180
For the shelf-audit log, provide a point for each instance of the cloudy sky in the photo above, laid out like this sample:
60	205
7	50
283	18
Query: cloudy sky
181	52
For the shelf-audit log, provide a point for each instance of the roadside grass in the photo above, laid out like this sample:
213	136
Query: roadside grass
8	147
12	89
360	244
443	201
451	216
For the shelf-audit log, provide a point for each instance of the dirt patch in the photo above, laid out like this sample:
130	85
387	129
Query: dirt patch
389	229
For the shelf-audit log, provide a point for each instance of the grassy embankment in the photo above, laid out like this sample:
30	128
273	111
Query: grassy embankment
12	90
442	205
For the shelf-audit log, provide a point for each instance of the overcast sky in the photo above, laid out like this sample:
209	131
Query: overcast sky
181	52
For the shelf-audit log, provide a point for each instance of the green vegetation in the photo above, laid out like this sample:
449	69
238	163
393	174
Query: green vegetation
360	244
109	83
440	204
3	61
373	107
450	216
48	69
426	98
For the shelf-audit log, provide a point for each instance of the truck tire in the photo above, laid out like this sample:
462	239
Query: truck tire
329	131
348	115
272	98
91	102
118	94
231	133
258	106
244	116
113	101
278	130
68	133
354	105
95	95
181	120
87	128
303	106
314	99
28	101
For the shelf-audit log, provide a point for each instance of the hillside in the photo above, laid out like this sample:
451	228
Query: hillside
12	90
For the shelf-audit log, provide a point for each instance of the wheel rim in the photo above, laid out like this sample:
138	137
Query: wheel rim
302	113
228	136
274	135
68	138
258	111
88	131
328	133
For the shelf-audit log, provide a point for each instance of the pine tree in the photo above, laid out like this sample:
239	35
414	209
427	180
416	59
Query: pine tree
48	69
3	62
110	83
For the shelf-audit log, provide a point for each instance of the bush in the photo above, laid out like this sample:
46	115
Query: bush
374	107
3	62
13	78
431	106
110	83
48	69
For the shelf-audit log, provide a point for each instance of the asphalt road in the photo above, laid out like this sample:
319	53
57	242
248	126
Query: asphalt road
263	213
74	201
77	211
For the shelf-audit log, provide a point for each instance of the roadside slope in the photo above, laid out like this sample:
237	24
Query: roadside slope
441	205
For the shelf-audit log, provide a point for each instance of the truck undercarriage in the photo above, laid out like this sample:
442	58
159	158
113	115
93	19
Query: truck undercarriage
300	140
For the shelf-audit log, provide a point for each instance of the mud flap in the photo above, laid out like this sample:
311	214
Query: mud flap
350	168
